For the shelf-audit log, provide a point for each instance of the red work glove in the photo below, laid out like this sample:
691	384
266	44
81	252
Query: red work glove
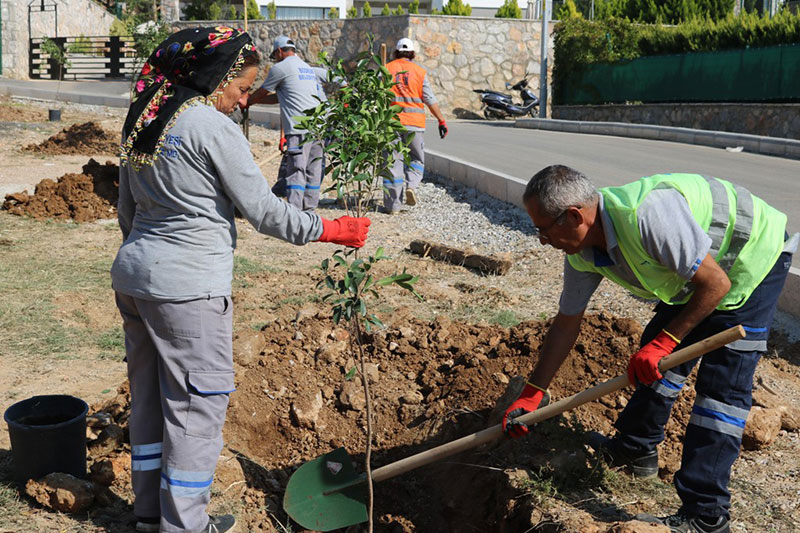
528	402
644	363
349	231
442	129
282	145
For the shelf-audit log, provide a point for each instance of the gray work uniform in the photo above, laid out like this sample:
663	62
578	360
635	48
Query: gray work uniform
172	277
408	176
299	87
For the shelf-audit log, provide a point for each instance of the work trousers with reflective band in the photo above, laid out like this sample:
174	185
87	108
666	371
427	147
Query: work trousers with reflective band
404	175
304	169
180	368
724	395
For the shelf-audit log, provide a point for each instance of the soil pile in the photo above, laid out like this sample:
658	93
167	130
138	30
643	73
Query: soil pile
431	383
84	197
298	397
88	138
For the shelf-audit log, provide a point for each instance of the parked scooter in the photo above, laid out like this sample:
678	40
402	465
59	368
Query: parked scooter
497	105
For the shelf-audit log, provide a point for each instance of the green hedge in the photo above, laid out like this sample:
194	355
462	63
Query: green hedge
580	42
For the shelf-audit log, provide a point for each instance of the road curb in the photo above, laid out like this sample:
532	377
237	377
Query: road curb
510	189
756	144
496	184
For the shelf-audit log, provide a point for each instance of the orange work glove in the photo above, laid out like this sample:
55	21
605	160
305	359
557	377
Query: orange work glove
282	145
643	366
348	231
529	400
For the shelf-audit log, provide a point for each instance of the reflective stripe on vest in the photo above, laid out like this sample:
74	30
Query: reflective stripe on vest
408	78
742	227
746	237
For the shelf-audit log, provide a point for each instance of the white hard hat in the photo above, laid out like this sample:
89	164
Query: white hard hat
405	45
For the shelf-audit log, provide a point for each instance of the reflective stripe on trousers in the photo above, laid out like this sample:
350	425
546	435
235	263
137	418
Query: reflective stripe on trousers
405	175
180	368
723	397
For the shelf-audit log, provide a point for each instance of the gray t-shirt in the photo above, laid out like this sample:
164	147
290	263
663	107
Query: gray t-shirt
297	85
177	217
669	233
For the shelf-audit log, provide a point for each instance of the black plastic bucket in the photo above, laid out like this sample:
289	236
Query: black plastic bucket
48	434
54	115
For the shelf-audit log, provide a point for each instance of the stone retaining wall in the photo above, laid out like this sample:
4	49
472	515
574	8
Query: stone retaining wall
771	120
75	18
459	53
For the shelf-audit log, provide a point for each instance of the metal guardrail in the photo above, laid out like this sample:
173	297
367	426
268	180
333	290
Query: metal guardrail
86	58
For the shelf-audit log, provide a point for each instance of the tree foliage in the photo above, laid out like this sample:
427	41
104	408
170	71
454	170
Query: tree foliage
457	8
663	11
509	10
568	10
357	124
220	9
333	13
386	11
413	7
366	10
399	10
352	12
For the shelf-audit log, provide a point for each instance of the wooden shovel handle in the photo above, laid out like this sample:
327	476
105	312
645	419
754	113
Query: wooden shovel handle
496	432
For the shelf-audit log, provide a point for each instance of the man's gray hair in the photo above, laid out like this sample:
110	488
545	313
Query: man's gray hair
558	187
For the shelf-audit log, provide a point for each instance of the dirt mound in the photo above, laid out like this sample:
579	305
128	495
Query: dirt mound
431	383
88	138
84	197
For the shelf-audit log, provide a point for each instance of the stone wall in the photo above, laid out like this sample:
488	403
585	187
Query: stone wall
75	18
771	120
459	53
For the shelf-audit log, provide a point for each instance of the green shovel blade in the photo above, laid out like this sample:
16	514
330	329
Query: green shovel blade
326	493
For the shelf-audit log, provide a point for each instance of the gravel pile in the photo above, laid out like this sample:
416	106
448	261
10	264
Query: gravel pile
462	217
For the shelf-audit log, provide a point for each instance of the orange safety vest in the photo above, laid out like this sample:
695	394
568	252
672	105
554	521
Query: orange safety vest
408	77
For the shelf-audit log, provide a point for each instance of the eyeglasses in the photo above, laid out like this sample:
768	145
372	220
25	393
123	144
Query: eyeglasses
542	230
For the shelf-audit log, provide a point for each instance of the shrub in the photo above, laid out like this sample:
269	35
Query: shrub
352	12
366	10
568	10
413	7
580	42
399	10
386	11
457	8
510	10
333	13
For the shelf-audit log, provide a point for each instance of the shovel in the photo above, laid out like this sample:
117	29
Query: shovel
327	493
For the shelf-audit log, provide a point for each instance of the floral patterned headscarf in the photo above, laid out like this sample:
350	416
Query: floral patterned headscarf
188	66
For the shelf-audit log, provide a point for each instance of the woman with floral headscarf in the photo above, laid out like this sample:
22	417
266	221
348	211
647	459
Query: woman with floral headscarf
185	167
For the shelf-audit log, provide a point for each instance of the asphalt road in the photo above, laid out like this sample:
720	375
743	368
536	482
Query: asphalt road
612	160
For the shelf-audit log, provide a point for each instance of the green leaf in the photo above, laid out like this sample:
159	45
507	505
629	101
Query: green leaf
350	374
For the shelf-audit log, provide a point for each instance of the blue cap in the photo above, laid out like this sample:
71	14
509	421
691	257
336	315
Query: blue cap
281	41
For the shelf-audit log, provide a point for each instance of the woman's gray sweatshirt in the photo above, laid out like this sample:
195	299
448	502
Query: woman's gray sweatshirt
177	217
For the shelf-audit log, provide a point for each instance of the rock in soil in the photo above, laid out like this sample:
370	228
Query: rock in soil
109	440
61	492
108	471
762	427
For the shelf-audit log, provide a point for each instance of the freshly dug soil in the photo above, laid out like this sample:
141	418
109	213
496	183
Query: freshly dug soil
84	197
431	383
88	138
